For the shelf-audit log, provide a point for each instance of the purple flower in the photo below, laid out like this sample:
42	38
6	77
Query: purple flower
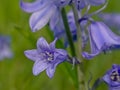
5	50
46	56
112	77
42	11
108	17
80	4
101	39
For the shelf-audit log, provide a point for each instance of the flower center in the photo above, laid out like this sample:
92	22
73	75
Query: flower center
49	55
115	76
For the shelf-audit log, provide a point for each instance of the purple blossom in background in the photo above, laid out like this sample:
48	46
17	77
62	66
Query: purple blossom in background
96	2
101	38
112	77
57	26
46	56
111	19
80	4
5	50
42	11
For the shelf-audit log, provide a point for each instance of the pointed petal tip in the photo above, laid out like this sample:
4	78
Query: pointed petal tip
50	76
31	7
50	71
34	29
42	39
40	18
35	72
88	56
42	44
23	6
26	52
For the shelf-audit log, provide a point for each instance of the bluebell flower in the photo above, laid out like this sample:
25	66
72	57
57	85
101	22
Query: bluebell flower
5	49
112	77
42	11
110	21
101	38
46	56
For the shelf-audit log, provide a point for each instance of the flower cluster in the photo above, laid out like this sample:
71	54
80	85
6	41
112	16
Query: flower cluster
49	12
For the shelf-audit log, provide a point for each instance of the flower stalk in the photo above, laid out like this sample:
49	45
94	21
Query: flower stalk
79	82
68	32
79	48
70	40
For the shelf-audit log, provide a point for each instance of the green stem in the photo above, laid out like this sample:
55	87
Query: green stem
82	85
79	41
68	32
72	47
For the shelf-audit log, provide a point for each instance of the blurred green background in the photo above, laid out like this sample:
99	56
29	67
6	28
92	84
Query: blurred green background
16	73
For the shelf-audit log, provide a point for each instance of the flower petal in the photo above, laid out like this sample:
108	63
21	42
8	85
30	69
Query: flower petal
89	56
34	6
106	78
101	39
42	45
39	66
54	20
115	66
32	54
104	36
61	51
52	44
51	69
40	18
114	88
60	54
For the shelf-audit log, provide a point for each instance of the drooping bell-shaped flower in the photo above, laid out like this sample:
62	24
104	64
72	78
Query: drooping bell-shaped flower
46	57
42	11
101	39
111	19
5	49
112	77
